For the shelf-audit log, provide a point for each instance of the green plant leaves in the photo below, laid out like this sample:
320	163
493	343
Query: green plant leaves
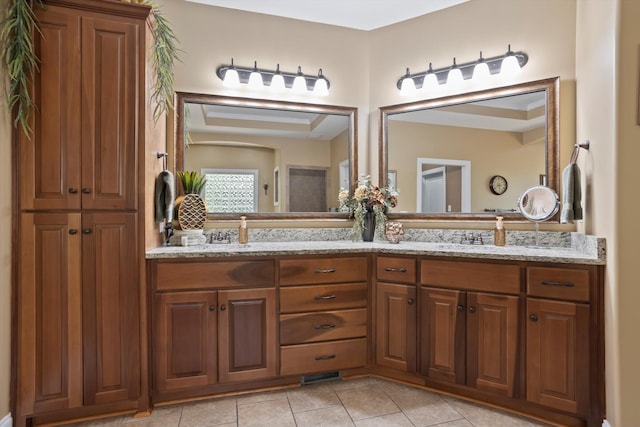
193	182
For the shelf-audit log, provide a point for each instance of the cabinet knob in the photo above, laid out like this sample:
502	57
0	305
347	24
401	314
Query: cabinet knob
86	231
73	231
460	307
86	190
212	308
472	309
73	190
410	301
223	307
533	318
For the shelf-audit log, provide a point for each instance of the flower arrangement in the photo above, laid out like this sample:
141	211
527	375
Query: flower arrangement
367	198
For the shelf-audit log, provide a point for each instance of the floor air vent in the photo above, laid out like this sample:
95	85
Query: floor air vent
310	379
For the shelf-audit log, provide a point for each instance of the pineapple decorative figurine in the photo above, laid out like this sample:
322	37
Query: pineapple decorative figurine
190	210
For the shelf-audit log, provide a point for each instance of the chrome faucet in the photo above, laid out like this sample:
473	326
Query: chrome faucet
220	237
471	239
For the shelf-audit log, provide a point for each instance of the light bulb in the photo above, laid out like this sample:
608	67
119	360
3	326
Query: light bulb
454	77
255	78
277	81
510	65
299	83
430	81
321	88
231	77
408	86
481	71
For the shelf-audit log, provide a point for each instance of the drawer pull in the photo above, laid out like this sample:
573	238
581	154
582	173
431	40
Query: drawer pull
396	270
73	231
550	283
327	326
324	297
327	270
327	357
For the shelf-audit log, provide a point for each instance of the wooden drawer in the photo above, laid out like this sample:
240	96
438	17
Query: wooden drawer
297	299
323	326
390	269
323	270
323	357
564	283
206	275
474	276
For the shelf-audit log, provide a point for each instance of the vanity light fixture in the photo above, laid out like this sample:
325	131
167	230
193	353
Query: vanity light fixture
275	80
507	64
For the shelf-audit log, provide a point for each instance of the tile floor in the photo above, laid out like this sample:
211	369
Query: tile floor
362	402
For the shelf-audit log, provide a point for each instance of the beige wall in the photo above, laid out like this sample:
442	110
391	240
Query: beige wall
607	72
490	152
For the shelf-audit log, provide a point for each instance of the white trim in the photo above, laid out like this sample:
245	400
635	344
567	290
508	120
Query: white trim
605	423
7	421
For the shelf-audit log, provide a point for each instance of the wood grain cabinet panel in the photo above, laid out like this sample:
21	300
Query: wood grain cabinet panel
110	307
49	325
247	334
322	326
558	354
323	357
396	315
185	340
470	338
295	299
322	270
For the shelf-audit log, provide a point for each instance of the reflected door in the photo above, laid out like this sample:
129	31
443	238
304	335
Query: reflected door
433	190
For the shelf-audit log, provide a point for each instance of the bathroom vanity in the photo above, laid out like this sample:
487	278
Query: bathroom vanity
516	327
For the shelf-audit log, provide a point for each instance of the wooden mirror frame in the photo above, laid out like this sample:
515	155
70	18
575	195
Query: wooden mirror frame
551	87
183	98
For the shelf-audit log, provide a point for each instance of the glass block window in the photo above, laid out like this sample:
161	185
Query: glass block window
231	190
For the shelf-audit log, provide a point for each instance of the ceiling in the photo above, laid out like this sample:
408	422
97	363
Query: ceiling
358	14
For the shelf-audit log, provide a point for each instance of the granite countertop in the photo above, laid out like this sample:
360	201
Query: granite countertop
579	251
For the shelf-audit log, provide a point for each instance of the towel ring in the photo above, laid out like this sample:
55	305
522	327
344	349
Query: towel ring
164	156
576	150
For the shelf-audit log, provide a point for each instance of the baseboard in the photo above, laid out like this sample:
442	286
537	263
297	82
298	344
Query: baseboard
7	421
605	423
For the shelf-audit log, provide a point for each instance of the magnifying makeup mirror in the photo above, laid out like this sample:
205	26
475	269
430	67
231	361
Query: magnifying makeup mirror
538	204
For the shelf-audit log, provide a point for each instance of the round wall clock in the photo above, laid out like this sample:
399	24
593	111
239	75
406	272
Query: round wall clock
498	184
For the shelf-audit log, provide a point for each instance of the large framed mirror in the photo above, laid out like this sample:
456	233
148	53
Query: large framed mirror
470	156
267	159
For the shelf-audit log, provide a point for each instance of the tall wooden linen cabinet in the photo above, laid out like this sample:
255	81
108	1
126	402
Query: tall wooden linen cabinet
84	199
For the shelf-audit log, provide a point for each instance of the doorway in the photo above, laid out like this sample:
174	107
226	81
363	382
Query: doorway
307	189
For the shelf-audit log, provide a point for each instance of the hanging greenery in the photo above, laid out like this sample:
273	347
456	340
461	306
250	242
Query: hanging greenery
19	57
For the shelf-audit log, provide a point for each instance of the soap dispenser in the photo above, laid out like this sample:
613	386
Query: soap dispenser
499	234
243	231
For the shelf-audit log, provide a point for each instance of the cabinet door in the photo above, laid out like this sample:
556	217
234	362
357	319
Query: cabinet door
50	157
443	334
110	295
492	342
247	334
558	354
396	326
49	320
185	340
110	56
